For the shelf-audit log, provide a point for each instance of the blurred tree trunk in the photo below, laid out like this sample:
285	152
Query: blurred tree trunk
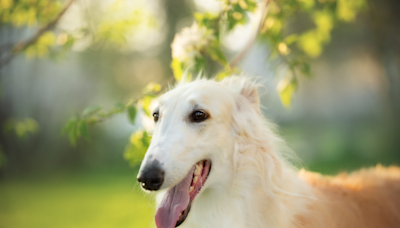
384	21
384	18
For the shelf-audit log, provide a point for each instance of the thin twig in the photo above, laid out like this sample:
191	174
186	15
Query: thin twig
239	57
291	67
104	116
24	44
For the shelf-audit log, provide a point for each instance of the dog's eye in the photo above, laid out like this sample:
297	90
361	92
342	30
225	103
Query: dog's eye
155	116
198	116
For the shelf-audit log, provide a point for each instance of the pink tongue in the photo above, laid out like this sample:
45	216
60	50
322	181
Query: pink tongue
174	202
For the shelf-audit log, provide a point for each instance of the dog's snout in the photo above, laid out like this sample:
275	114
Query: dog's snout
152	177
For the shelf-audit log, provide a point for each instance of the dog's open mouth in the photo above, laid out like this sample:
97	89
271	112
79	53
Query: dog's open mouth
175	206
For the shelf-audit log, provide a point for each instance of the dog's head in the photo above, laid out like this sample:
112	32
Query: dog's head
195	128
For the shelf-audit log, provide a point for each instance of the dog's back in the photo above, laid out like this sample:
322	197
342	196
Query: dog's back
367	198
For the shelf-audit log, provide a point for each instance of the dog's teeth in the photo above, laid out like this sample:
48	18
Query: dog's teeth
191	189
195	179
197	171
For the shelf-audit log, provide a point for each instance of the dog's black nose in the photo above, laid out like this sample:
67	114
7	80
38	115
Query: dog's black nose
152	177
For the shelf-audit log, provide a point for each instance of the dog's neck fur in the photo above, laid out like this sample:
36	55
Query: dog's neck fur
251	184
262	181
273	198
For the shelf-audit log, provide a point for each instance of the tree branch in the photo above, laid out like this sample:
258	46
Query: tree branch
239	57
24	44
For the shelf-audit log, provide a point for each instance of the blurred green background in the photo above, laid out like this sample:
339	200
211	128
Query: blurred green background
344	117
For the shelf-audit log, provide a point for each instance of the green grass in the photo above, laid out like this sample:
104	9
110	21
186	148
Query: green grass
98	199
81	199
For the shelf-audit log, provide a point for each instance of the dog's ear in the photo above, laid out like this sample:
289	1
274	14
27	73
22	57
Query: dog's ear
246	88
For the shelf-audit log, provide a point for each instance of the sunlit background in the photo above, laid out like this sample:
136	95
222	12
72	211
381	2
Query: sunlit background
344	117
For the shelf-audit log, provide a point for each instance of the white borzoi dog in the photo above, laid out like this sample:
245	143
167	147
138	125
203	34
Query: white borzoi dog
214	162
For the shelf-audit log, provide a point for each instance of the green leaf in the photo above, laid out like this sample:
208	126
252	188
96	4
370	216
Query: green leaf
21	127
324	21
152	88
251	5
70	128
199	66
221	75
303	65
291	39
305	68
72	136
83	130
31	125
214	51
236	15
206	19
136	138
136	149
76	128
177	69
66	127
310	42
307	4
347	9
132	111
273	55
286	88
145	102
146	139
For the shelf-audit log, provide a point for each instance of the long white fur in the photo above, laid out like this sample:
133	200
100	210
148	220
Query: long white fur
251	184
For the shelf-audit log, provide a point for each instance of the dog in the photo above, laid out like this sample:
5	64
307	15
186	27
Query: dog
215	162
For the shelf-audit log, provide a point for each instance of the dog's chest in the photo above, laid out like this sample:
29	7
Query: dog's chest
209	213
